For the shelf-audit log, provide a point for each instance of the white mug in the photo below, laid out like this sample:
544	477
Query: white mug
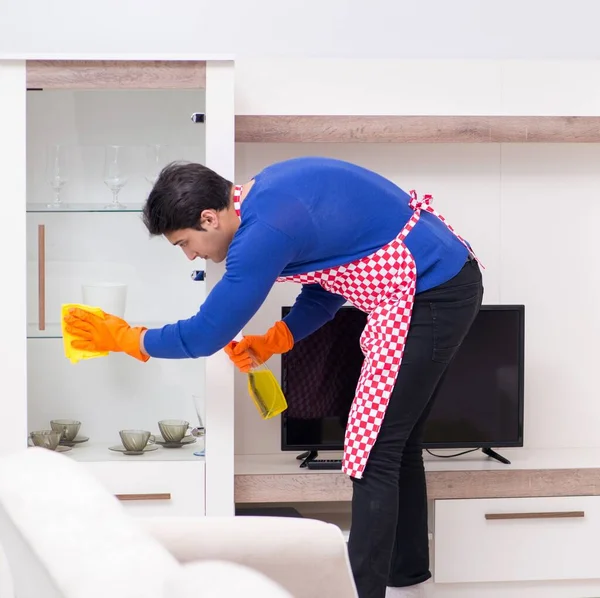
110	297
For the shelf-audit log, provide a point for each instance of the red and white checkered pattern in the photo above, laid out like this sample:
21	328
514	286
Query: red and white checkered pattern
237	199
382	285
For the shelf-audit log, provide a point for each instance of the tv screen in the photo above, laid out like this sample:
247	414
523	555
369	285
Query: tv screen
479	404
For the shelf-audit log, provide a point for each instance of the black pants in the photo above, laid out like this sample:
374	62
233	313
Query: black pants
389	538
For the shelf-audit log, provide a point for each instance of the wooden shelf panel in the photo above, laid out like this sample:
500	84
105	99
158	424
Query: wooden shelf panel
329	486
115	74
417	129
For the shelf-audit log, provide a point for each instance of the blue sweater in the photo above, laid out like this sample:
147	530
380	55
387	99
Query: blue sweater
303	215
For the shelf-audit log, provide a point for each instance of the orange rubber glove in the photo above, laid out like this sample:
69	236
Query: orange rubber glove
278	339
104	334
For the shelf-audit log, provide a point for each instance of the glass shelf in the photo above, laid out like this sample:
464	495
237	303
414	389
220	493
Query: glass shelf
53	330
98	451
81	208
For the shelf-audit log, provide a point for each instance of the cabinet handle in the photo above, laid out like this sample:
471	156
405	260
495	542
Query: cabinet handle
547	515
158	496
42	276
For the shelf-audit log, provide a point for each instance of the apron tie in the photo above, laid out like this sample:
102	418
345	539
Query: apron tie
415	204
237	199
425	204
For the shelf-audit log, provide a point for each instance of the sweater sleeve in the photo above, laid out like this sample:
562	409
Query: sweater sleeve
254	262
314	307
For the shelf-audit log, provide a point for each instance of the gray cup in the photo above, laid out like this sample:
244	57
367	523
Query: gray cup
69	428
47	439
173	430
135	441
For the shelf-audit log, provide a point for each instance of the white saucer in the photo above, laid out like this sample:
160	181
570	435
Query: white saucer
121	449
185	440
76	440
58	449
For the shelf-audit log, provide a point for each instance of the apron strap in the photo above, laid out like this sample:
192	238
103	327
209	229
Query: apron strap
425	204
237	199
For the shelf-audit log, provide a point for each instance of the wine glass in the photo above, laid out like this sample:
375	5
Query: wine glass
155	161
56	172
115	177
198	431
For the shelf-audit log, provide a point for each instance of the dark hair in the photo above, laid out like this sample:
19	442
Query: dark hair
181	193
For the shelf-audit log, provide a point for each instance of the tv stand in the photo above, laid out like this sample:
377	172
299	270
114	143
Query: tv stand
276	478
310	461
307	457
494	455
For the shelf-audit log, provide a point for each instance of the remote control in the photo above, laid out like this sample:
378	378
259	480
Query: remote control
325	464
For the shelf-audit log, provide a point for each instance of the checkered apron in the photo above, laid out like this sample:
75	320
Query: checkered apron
382	285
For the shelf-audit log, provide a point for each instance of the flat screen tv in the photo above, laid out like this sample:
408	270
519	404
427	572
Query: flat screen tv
479	405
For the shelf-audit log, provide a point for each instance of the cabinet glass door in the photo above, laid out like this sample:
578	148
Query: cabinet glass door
92	157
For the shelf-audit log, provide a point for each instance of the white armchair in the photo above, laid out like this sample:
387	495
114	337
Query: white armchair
308	558
65	536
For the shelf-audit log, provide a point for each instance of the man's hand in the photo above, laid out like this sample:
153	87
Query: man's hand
109	333
253	348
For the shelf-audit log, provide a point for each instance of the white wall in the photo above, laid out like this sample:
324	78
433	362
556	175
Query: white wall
529	210
477	29
422	87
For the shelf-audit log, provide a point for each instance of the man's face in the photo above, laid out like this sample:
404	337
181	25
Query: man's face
211	243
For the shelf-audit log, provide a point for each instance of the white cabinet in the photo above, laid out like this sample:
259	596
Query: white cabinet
166	488
516	539
51	250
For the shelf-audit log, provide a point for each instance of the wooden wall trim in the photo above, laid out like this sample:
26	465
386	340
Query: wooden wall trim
417	129
322	487
115	74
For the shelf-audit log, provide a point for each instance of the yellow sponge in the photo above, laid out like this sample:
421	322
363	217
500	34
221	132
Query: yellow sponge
75	355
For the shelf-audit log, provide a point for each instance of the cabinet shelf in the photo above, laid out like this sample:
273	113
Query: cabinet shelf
84	208
98	451
416	129
116	74
53	330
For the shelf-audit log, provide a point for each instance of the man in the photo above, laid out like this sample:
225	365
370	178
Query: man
346	234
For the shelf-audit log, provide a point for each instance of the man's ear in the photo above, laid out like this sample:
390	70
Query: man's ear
209	219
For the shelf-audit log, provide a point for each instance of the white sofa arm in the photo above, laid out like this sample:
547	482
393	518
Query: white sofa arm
217	579
308	558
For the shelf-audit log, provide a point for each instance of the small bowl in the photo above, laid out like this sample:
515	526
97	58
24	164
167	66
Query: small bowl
68	428
47	439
